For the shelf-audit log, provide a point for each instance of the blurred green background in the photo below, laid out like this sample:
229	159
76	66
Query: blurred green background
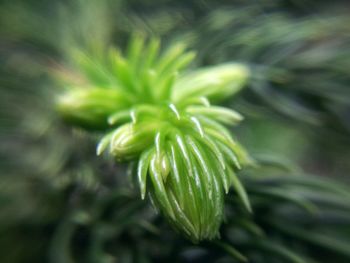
59	203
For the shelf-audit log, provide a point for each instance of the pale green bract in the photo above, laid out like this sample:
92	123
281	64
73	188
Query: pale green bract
153	113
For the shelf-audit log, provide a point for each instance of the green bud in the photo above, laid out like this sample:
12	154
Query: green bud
90	108
130	140
191	199
191	164
216	83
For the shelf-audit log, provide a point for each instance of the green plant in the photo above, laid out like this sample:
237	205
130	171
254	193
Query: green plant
163	119
59	203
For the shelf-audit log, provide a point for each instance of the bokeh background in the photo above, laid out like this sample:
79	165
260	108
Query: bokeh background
60	203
